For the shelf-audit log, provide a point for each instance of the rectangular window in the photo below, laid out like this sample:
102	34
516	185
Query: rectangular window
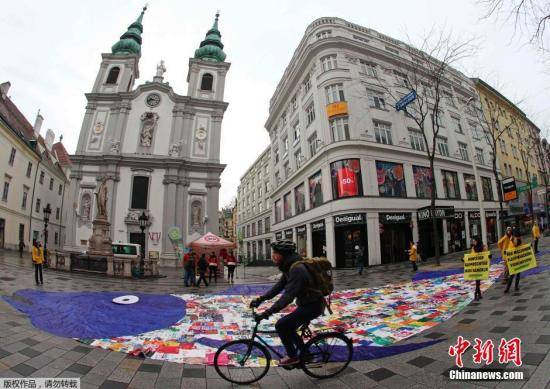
277	178
448	96
307	84
286	169
417	140
439	120
457	125
463	150
470	187
12	156
503	146
41	179
401	79
248	231
391	180
285	146
6	191
479	156
346	178
260	227
339	129
376	99
287	206
475	132
253	229
329	62
283	119
60	189
298	158
140	192
312	143
487	189
293	104
51	183
382	133
57	213
56	238
423	181
515	152
29	169
310	114
450	183
37	207
276	153
267	224
24	199
315	190
300	198
367	68
335	93
296	133
442	146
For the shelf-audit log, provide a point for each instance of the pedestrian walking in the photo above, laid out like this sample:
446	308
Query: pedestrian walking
202	266
190	270
21	248
361	258
516	240
413	255
505	243
213	267
231	263
536	236
478	247
38	260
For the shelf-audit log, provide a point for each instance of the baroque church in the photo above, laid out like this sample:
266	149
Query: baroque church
157	151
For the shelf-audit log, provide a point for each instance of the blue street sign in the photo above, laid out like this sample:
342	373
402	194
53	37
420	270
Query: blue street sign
406	100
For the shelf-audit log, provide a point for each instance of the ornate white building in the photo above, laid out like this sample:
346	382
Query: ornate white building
158	150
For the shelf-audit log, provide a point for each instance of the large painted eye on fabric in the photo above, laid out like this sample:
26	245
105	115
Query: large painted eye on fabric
153	100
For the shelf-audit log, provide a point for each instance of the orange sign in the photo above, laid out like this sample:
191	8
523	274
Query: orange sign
508	196
340	108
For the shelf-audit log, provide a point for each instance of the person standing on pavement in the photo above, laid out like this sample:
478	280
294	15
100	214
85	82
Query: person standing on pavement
231	263
38	260
202	266
361	258
190	270
413	255
478	247
185	260
213	267
516	240
21	248
505	243
536	236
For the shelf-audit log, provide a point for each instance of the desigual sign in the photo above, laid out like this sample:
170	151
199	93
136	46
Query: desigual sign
318	226
354	218
395	218
301	230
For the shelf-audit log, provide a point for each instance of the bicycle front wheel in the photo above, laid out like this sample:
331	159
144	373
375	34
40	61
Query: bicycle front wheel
242	361
326	355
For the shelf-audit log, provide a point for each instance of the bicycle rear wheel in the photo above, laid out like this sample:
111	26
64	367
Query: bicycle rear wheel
326	355
242	361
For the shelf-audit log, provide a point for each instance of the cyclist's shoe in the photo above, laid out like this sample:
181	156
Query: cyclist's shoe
288	361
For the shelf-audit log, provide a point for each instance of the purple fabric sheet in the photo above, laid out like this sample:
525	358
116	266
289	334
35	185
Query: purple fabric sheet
93	315
245	290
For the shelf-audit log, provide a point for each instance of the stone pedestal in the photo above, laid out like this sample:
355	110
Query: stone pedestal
100	242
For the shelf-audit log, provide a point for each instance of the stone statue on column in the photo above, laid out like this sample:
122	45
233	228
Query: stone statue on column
161	69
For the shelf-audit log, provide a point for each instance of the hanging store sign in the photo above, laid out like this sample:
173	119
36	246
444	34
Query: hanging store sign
288	234
352	218
395	218
440	213
459	215
318	226
490	213
339	108
279	235
300	230
509	189
474	215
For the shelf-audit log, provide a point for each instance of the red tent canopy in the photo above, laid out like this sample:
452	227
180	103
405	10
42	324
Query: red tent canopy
211	242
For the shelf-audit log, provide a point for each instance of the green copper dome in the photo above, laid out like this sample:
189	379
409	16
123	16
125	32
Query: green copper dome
130	41
211	48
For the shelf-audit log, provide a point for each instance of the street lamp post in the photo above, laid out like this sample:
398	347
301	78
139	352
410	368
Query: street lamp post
143	219
47	212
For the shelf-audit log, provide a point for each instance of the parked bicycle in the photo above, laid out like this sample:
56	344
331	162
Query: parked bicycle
244	361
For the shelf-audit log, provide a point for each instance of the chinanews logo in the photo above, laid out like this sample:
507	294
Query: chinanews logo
349	219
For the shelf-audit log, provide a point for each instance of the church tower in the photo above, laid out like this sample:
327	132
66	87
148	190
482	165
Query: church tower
119	69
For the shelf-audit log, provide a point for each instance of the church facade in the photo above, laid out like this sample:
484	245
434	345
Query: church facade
157	151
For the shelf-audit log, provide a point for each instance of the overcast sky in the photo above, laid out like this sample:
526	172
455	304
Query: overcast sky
51	51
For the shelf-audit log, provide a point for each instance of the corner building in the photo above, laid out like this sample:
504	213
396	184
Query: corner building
350	173
157	150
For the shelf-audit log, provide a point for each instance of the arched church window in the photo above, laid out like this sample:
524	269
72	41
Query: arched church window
140	192
207	81
113	75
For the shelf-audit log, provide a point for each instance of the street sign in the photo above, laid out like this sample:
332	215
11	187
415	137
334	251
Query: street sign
509	189
406	100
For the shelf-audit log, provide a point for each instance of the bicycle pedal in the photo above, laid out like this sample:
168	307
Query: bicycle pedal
289	367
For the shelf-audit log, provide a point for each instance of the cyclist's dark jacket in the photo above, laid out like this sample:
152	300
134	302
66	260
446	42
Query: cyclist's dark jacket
295	283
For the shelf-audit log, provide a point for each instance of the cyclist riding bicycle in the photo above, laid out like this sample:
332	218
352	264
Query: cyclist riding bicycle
298	284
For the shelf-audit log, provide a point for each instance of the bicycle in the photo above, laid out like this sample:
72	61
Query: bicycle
245	361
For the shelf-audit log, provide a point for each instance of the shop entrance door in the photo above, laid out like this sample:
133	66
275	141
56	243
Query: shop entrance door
347	239
138	237
319	242
426	235
394	242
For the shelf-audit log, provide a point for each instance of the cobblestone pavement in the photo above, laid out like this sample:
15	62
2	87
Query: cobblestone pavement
26	351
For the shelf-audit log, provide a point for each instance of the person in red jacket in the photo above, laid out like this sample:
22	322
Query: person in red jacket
213	267
231	263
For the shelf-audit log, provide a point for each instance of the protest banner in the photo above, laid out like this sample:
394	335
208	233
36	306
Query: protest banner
476	266
520	259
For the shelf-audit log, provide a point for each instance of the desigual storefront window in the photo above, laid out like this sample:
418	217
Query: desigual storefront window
315	190
470	187
346	178
300	199
423	181
391	180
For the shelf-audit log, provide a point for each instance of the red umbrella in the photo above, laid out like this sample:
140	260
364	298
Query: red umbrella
211	242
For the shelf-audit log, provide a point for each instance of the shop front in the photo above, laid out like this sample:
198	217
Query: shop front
456	232
426	231
301	240
318	239
395	235
350	233
492	227
288	234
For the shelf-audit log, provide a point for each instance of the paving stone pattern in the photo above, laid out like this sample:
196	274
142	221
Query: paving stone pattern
26	351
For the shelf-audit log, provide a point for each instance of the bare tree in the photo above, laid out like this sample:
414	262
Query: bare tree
427	74
525	148
531	15
541	156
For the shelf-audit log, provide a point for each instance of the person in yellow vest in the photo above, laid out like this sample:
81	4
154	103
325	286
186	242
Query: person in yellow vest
478	247
517	242
413	255
536	236
505	243
38	260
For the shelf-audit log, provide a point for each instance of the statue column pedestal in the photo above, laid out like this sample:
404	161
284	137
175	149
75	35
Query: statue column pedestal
100	242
